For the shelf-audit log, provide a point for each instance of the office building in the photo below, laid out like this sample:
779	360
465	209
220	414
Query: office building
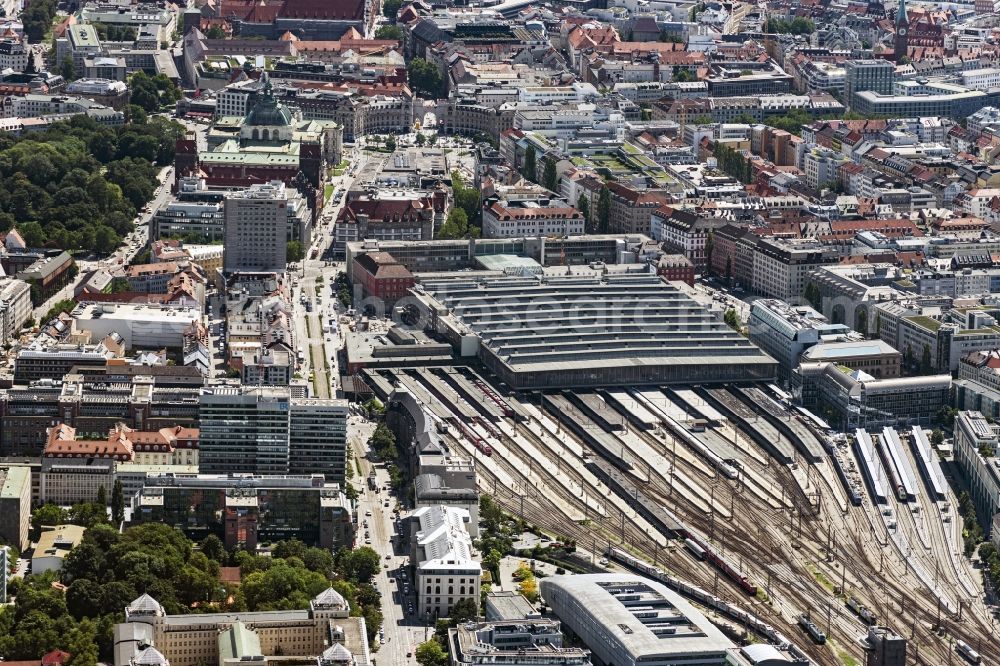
851	399
246	510
785	332
877	75
255	229
884	647
782	267
620	617
317	436
933	99
15	505
91	403
446	571
67	481
513	643
323	634
507	219
874	357
976	451
508	605
263	430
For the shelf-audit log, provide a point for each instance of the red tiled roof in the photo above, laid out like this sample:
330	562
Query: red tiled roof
329	10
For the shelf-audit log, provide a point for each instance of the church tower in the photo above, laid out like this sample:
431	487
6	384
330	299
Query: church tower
902	38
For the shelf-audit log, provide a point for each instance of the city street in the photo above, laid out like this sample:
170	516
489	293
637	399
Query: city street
315	344
403	633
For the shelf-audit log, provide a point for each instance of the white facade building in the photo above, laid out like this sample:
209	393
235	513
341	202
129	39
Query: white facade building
15	307
506	219
142	326
445	571
616	615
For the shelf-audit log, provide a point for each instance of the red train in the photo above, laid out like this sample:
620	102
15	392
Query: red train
728	570
471	435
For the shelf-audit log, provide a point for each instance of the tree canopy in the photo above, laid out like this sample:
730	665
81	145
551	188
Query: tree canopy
390	8
389	32
425	77
152	93
457	226
78	185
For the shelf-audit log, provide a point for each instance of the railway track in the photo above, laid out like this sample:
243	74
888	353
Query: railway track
756	535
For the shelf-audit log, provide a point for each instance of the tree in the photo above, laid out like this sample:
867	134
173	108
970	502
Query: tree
420	140
530	167
152	92
457	226
430	653
65	305
360	565
102	495
732	320
294	251
491	560
926	367
47	514
390	32
466	198
682	76
66	68
463	611
425	77
550	180
937	437
814	296
390	143
604	210
583	205
213	548
215	32
390	8
861	325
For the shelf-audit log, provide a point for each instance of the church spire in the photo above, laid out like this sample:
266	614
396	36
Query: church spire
901	40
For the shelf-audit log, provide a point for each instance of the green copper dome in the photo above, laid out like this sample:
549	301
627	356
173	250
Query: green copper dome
268	110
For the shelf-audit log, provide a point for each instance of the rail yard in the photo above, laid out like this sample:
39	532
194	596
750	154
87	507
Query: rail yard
751	508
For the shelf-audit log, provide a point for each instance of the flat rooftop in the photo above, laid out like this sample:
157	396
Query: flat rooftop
831	351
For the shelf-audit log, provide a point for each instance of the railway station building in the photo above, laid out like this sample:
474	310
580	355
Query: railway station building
628	620
618	328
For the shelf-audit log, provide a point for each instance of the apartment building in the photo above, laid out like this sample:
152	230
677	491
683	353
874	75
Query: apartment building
781	268
632	209
685	232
